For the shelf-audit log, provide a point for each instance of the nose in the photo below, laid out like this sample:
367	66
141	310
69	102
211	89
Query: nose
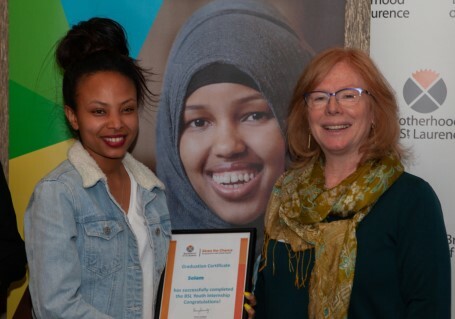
228	142
332	106
115	121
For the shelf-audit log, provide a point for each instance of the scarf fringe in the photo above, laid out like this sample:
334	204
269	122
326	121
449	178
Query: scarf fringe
296	262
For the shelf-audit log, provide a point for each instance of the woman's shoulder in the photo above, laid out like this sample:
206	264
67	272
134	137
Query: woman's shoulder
412	183
412	195
64	171
62	182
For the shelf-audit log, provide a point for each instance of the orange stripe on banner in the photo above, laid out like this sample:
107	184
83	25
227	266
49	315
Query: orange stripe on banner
238	311
164	312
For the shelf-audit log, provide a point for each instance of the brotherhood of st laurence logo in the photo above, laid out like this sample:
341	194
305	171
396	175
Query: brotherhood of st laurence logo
425	91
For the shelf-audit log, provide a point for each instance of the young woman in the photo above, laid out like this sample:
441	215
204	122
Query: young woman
97	227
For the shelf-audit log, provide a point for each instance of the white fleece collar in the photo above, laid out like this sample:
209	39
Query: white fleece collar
91	173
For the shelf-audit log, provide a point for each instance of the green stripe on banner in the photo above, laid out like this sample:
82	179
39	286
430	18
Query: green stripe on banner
35	27
35	122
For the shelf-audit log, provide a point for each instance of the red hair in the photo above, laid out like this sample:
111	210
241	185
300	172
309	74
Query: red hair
383	140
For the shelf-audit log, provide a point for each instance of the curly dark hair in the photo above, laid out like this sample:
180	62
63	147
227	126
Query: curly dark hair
98	44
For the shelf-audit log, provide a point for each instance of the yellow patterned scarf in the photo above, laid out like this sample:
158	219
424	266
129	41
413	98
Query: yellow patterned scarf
297	213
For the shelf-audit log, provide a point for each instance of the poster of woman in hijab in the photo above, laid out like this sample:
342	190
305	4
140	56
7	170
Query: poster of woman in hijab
224	93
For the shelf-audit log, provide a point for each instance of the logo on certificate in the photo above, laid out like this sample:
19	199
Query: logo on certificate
189	251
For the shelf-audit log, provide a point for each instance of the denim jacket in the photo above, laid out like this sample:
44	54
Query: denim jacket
82	254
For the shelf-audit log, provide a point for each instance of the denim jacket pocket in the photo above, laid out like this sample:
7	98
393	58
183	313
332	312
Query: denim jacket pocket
103	244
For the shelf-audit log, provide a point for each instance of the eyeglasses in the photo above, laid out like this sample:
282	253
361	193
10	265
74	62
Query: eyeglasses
347	97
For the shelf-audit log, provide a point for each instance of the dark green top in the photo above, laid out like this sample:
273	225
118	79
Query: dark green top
402	267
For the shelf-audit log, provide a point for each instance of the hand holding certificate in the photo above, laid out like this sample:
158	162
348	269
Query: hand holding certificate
206	274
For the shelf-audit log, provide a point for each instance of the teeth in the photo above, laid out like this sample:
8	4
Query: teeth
336	127
114	139
232	178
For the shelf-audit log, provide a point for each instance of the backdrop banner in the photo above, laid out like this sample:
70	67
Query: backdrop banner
38	136
411	43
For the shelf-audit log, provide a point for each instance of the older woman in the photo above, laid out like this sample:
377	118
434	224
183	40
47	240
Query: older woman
348	232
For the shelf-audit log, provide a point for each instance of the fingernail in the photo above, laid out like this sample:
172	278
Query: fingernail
247	294
247	306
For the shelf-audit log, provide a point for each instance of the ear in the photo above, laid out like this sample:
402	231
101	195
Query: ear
71	117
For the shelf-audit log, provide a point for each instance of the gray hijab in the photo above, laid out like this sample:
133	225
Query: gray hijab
249	36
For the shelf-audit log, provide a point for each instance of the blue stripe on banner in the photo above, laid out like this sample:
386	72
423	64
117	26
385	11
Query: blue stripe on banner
135	16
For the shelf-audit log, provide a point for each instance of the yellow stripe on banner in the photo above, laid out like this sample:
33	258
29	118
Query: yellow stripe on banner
24	172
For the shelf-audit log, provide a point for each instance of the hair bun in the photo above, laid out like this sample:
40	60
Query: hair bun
87	37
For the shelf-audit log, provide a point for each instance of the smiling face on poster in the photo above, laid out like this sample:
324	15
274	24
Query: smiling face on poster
220	140
230	164
317	24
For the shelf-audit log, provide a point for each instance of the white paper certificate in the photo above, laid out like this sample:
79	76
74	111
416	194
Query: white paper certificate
206	274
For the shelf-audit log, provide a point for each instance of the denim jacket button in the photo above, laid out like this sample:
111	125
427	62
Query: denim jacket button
157	231
107	230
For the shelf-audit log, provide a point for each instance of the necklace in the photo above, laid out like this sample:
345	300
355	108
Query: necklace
122	195
120	198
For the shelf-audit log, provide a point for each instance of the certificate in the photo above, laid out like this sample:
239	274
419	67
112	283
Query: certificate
207	272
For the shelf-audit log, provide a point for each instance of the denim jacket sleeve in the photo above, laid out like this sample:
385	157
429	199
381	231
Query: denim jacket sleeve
55	269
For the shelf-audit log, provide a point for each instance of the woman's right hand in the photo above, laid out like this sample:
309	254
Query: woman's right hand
251	302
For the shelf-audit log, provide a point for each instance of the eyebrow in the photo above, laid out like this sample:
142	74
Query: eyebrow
245	99
106	104
252	97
